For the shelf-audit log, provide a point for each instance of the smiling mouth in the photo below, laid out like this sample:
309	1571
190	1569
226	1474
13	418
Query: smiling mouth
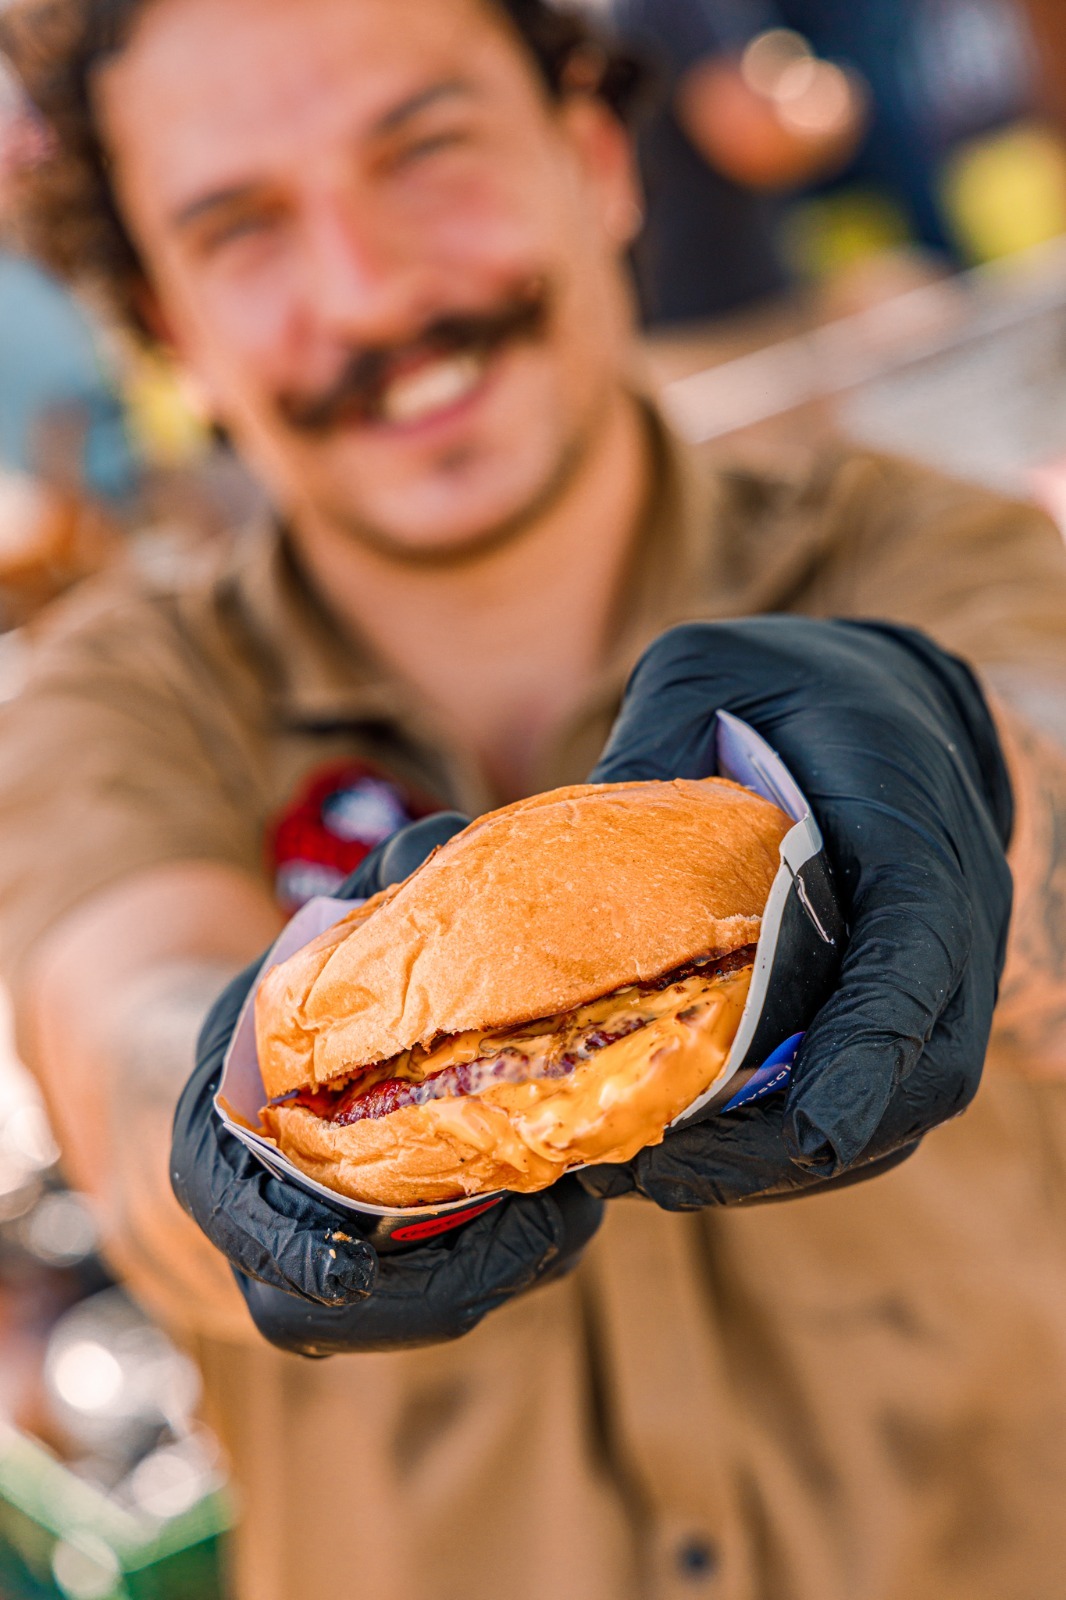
432	388
409	385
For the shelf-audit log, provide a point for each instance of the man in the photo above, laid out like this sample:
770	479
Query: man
390	256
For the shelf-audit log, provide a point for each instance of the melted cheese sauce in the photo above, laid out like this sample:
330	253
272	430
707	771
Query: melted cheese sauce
605	1110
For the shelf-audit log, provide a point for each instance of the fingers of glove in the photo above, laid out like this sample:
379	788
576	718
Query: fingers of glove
401	854
272	1231
264	1226
440	1292
581	1213
863	1173
941	1085
721	1161
665	726
607	1182
747	1155
910	942
741	1158
193	1151
423	1297
500	1255
948	1071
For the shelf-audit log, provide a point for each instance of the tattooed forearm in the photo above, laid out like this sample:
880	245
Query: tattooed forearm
150	1054
1030	1027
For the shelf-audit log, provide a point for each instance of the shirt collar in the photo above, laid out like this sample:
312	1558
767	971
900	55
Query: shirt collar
319	676
317	671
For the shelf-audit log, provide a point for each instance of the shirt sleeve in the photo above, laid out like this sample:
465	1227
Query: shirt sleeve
984	575
111	765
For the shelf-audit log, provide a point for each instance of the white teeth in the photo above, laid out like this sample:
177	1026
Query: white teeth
432	388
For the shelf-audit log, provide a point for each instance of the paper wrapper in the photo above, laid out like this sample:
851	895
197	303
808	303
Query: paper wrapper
796	965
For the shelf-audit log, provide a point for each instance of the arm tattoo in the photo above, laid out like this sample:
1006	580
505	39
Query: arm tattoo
1030	1027
147	1051
154	1036
151	1054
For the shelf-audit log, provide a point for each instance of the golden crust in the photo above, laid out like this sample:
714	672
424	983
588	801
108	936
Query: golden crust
530	911
523	1136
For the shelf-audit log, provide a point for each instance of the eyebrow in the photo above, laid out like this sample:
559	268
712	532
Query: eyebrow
392	122
448	89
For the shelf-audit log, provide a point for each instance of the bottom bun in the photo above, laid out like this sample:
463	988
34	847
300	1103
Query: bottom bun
523	1136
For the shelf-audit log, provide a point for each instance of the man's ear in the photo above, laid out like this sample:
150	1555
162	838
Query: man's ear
605	150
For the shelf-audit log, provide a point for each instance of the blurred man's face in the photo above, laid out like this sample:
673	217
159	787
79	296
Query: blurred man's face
388	259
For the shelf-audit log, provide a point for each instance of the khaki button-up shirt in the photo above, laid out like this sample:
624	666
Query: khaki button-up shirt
855	1397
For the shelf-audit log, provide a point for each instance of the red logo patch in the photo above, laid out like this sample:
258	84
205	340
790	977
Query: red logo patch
335	820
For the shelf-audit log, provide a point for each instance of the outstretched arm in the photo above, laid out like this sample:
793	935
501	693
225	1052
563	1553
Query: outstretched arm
110	1011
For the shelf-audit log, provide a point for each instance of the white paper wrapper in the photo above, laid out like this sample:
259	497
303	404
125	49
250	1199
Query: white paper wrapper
796	965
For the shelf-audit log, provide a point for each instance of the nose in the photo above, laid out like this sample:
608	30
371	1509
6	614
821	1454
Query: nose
365	280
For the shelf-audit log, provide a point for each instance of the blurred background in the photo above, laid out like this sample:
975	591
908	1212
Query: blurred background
856	223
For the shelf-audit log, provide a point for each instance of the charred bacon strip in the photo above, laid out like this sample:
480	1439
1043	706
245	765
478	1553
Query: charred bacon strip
715	965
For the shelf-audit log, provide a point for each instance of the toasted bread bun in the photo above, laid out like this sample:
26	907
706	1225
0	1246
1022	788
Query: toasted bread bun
531	912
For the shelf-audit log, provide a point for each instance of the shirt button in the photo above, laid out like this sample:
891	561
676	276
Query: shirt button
697	1558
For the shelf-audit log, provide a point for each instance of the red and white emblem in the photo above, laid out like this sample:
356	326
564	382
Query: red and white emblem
332	824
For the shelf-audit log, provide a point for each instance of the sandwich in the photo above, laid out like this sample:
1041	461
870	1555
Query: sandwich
551	988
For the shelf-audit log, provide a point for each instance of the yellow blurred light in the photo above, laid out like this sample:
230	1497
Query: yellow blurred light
165	418
1006	192
829	234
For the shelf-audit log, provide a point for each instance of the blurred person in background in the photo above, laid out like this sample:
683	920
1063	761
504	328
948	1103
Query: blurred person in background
721	144
861	1396
68	466
61	416
766	98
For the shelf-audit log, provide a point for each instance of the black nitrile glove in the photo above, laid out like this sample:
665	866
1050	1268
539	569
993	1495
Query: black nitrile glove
313	1293
894	747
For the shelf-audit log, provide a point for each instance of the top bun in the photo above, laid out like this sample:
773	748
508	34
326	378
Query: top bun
531	910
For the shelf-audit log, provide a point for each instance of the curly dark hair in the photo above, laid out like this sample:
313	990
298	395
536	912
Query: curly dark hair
66	210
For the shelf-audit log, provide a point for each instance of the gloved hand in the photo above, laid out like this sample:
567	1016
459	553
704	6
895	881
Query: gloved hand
313	1293
893	745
